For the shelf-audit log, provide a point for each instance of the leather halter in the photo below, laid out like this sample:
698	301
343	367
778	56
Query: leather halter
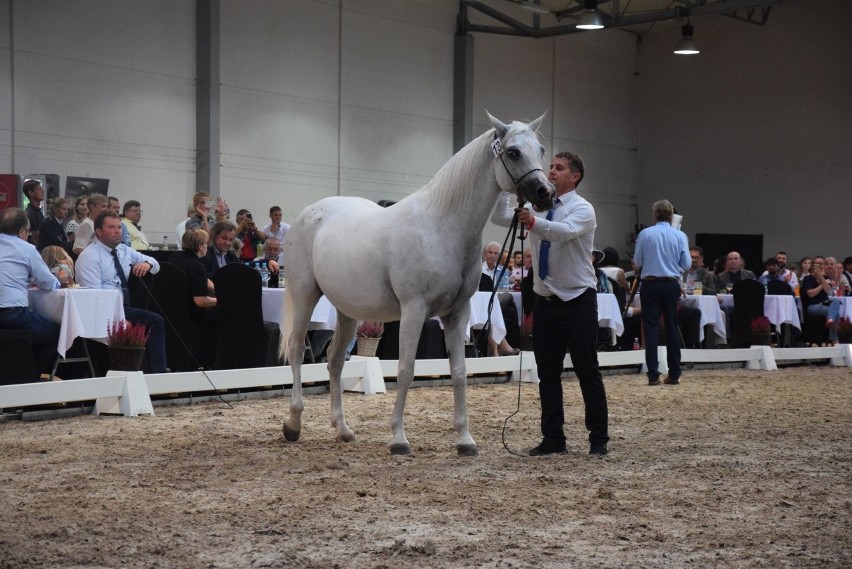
497	149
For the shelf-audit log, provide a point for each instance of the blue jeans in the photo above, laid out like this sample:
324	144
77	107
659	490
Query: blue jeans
661	296
45	334
830	312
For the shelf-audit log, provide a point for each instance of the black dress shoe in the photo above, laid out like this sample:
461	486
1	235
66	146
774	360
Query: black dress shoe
671	381
548	448
655	381
598	450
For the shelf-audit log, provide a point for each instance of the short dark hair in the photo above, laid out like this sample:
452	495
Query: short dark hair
274	209
697	248
12	220
847	261
610	258
129	204
30	185
575	163
99	220
771	261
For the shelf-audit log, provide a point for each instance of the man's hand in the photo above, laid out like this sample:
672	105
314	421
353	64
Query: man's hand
524	215
273	266
141	269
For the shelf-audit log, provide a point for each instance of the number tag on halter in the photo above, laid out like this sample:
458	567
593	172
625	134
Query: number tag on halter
496	147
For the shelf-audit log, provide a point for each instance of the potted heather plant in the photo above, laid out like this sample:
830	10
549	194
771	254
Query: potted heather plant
126	344
760	329
368	334
844	331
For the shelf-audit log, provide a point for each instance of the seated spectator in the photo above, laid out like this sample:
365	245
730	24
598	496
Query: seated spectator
847	272
81	211
249	234
114	206
804	268
785	274
52	232
60	264
85	233
276	229
20	265
271	253
188	259
609	265
35	194
132	214
107	264
733	273
521	269
219	251
201	208
772	272
490	268
698	273
817	293
834	271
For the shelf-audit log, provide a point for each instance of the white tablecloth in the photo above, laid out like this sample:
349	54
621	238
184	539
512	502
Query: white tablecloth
711	314
81	312
779	308
272	302
609	313
845	308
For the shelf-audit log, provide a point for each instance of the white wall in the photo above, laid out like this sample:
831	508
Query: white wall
753	134
105	89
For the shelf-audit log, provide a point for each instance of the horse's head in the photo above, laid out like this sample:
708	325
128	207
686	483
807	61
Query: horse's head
518	164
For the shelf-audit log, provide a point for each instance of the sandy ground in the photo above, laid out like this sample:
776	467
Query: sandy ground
730	468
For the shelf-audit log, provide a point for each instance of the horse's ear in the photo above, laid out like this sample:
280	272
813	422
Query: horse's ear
537	122
501	128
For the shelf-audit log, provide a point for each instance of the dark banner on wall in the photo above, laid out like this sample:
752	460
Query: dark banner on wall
10	191
77	186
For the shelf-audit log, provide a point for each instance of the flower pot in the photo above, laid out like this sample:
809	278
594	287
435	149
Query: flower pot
126	359
367	346
758	339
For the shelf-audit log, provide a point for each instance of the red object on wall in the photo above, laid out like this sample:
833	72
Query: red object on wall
10	191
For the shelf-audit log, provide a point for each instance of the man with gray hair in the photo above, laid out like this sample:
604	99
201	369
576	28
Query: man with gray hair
662	254
20	263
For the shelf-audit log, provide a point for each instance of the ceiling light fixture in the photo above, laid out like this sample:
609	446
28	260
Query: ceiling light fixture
535	8
590	20
686	45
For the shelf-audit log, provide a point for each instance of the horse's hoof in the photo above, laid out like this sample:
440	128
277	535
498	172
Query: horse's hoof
400	448
290	434
467	450
346	438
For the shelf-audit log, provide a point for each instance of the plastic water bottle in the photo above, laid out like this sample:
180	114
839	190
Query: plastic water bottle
264	275
636	344
282	281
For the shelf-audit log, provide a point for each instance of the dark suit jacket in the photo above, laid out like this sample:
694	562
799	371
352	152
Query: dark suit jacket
724	278
210	263
52	233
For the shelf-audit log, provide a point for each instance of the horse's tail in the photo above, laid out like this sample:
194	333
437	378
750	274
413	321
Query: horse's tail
289	315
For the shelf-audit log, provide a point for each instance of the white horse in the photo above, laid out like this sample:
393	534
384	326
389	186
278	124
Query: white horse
414	260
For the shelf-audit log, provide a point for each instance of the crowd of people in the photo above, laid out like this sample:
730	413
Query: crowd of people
101	245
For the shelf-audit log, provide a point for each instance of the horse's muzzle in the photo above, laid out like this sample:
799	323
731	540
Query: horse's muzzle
539	192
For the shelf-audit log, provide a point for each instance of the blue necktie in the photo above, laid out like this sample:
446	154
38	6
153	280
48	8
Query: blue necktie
125	291
544	251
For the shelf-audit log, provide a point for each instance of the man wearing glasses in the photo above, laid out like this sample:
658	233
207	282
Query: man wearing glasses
698	273
132	215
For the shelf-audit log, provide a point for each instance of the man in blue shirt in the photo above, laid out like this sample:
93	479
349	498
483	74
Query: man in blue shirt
662	254
20	263
98	267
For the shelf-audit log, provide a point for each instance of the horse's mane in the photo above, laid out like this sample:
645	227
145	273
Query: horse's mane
448	189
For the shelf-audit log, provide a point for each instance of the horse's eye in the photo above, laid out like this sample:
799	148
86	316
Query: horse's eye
514	153
542	150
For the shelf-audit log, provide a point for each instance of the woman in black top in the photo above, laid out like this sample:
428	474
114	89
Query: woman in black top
52	232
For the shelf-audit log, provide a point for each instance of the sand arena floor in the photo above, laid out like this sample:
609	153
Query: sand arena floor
731	468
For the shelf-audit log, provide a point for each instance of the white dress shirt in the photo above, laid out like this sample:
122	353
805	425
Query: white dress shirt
571	233
96	269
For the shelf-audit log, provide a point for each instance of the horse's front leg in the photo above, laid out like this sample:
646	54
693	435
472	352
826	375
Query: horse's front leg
410	326
343	334
454	332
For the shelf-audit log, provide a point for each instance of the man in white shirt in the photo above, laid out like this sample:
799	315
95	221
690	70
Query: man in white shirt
20	263
85	234
108	263
566	308
784	274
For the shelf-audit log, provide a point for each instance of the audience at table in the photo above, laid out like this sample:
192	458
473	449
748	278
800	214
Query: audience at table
52	232
734	272
490	268
817	293
219	251
609	265
34	192
199	293
698	273
271	254
787	275
200	217
85	233
131	216
107	264
20	265
81	211
772	272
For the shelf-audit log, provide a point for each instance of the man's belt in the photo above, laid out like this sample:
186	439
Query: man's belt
673	279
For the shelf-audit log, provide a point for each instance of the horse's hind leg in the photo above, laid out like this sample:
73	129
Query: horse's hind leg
343	334
300	311
454	329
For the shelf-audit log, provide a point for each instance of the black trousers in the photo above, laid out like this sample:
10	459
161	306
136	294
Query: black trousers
660	296
573	326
